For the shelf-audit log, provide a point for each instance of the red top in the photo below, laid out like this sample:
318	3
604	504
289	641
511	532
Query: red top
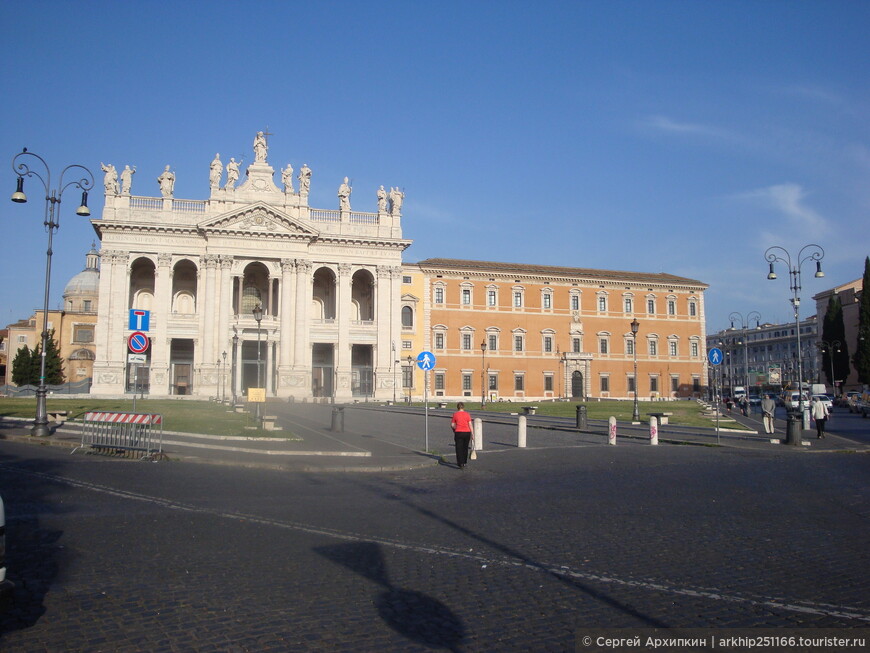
461	422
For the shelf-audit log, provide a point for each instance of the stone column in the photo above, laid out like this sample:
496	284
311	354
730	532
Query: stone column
343	303
285	351
223	339
301	337
120	308
160	324
108	368
388	306
207	295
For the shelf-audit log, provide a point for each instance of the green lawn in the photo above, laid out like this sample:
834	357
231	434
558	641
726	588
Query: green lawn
185	416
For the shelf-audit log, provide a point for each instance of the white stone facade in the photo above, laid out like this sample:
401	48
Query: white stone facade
328	282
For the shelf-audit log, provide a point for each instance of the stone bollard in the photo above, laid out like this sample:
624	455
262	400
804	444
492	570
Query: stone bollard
653	430
338	419
580	417
477	434
521	432
611	430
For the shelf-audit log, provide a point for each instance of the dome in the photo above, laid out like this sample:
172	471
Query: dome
86	282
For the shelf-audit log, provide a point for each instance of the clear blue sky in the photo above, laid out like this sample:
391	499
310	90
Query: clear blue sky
680	137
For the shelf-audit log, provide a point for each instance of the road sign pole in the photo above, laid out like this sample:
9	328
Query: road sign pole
426	404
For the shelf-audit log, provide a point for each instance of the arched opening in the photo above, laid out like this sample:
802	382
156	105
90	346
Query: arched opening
576	384
407	317
255	289
324	294
184	287
363	295
142	273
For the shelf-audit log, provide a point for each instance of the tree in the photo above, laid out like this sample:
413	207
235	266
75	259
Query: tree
22	367
53	363
836	347
861	359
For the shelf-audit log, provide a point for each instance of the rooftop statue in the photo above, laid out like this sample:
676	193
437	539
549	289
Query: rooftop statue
287	178
344	192
127	179
232	173
216	169
382	200
167	183
261	148
110	180
396	197
304	179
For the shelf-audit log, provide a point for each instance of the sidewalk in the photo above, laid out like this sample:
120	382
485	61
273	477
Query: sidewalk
380	438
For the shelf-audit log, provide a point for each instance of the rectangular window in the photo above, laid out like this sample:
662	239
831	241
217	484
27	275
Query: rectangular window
439	295
406	344
548	344
575	302
696	384
491	297
694	350
518	299
693	309
672	307
407	376
466	341
653	384
466	381
23	339
604	383
83	334
627	305
548	383
439	341
466	296
602	303
675	384
518	343
653	348
602	345
672	347
519	382
406	279
87	305
548	300
651	306
575	345
493	342
493	381
439	381
629	347
631	384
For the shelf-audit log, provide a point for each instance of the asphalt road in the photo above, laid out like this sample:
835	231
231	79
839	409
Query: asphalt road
518	552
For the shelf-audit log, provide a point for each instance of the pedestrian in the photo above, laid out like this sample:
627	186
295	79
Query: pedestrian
768	408
461	425
744	406
819	412
728	404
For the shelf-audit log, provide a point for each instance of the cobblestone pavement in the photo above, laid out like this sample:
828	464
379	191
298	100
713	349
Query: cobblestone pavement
515	552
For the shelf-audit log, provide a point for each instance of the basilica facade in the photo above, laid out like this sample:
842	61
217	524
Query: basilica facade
251	288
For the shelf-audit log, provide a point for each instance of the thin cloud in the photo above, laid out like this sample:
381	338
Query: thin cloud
665	124
788	201
816	93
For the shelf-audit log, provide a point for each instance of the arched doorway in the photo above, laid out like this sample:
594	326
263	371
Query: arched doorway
577	384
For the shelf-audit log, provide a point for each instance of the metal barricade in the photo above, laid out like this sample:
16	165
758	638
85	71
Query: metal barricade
123	432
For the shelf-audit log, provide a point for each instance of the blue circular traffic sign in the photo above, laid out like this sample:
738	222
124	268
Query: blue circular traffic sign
715	356
138	342
426	360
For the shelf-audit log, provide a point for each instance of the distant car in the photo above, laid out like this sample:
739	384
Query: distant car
6	586
754	400
793	399
825	399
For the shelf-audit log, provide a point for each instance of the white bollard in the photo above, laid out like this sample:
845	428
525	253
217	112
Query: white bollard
653	430
521	432
611	431
478	434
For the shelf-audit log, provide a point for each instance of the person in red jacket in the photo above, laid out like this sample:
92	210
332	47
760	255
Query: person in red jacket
461	425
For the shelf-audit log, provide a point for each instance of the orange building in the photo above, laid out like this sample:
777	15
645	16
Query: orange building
504	331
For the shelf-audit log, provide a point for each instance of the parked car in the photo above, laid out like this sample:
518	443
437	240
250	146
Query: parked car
6	586
825	399
792	400
754	400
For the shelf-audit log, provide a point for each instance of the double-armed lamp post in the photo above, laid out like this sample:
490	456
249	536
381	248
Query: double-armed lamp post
813	253
52	224
483	375
743	323
258	316
635	326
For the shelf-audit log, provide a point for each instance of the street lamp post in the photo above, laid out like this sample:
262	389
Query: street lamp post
410	376
258	316
235	355
744	325
224	378
483	375
813	253
52	224
394	371
831	347
635	326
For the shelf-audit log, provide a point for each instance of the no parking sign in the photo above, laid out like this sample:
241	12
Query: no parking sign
138	342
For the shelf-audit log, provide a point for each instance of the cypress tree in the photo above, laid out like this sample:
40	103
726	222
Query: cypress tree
53	363
836	347
861	359
22	367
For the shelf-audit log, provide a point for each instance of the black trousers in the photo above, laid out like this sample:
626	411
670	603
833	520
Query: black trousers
462	440
820	425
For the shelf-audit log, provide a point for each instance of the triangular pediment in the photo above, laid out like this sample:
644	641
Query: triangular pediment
257	219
